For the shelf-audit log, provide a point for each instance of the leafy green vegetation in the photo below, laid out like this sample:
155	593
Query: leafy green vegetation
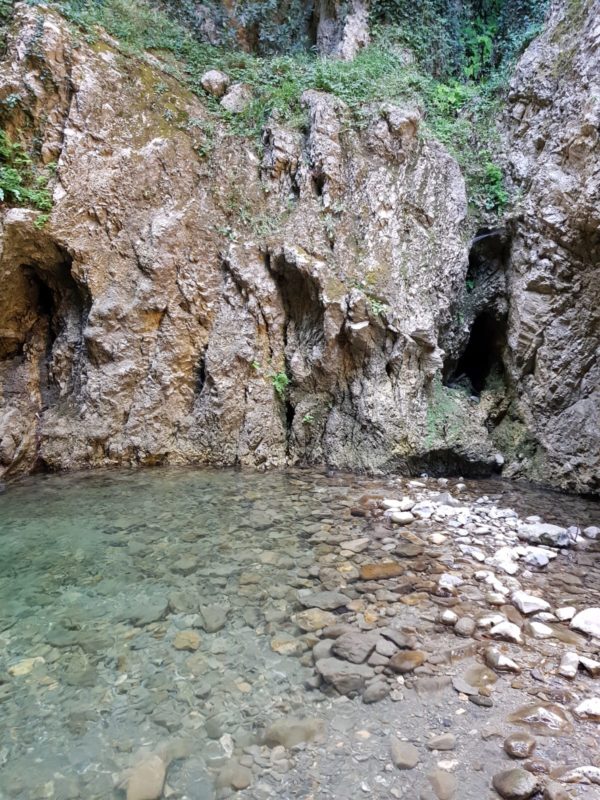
20	182
461	51
280	383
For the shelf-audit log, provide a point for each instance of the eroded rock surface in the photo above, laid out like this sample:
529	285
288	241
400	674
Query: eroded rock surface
148	319
190	300
554	340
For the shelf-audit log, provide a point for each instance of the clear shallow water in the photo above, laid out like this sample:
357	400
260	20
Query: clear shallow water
100	572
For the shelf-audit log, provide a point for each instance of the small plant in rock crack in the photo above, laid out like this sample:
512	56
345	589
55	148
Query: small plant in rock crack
308	419
255	365
280	383
377	307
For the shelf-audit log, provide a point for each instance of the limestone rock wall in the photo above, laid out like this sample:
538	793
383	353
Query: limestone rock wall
148	319
554	277
185	275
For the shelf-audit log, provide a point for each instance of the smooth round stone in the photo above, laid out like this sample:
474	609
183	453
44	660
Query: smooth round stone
404	754
407	660
465	626
519	745
515	784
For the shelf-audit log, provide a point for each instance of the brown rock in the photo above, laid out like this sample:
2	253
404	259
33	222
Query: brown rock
407	660
186	640
515	784
376	572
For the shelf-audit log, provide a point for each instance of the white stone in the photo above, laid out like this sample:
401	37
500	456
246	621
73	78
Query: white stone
448	617
402	517
449	582
507	631
437	538
587	621
569	665
389	502
539	631
528	603
566	613
589	709
490	620
593	667
356	545
498	661
473	552
591	532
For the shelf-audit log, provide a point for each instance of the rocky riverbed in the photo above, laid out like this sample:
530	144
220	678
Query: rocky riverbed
197	634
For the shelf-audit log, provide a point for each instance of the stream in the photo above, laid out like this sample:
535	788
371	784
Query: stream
159	631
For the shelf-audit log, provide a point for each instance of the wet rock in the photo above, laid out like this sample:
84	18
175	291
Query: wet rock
407	660
404	754
589	709
515	784
143	612
292	731
443	783
587	621
25	666
286	645
145	781
528	603
186	640
185	566
313	619
326	601
376	572
444	741
235	775
519	745
238	98
343	675
214	617
355	647
356	545
546	719
215	82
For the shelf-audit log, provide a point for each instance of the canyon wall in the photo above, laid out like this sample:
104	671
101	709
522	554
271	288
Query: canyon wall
553	353
185	276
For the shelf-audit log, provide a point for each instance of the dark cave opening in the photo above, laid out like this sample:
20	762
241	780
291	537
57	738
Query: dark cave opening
483	354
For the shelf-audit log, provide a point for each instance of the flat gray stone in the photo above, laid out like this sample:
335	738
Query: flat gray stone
404	754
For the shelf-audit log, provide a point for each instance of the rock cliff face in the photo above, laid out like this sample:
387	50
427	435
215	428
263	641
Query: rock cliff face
182	279
553	353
